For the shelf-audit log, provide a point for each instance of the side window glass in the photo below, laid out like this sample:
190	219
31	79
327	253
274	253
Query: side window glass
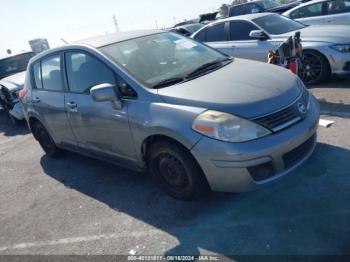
237	10
295	14
51	73
253	8
201	35
85	71
241	31
37	75
311	10
338	6
216	33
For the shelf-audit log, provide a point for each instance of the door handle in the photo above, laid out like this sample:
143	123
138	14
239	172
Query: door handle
36	100
72	105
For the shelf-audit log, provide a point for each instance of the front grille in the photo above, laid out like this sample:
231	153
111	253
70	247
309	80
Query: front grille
297	154
286	117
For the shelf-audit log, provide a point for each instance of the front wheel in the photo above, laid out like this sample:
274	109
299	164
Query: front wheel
176	171
315	68
46	141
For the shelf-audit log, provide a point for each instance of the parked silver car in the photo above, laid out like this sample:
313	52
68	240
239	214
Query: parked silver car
195	118
12	76
326	49
322	12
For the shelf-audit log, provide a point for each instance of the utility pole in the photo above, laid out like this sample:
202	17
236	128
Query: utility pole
115	23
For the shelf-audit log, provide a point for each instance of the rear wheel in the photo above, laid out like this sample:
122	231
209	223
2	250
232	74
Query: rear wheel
46	141
176	171
315	67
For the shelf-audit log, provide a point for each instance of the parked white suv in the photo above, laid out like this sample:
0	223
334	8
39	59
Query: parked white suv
322	12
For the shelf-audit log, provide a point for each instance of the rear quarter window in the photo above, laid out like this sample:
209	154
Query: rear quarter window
37	75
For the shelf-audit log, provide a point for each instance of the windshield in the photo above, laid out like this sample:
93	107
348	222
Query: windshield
14	64
269	4
193	28
156	58
275	24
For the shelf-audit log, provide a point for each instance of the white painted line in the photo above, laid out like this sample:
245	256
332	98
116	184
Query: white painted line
73	240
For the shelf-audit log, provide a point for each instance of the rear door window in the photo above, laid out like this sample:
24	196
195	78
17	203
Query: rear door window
216	33
338	7
51	73
308	11
237	10
253	8
37	75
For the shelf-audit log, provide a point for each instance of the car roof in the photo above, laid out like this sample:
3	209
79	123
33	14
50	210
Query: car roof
302	5
108	39
250	2
242	17
15	54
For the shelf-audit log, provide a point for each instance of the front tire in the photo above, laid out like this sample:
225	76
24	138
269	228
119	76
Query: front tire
315	68
176	171
46	142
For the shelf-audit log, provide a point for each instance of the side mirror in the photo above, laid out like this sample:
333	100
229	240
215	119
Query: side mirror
106	92
258	34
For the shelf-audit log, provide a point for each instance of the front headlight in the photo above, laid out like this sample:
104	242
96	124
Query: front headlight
343	48
226	127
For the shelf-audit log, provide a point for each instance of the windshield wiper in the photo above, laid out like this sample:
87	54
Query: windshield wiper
168	82
208	66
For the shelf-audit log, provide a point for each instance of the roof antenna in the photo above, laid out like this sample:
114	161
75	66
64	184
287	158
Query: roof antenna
64	41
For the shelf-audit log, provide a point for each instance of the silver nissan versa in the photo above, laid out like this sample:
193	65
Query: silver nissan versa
194	118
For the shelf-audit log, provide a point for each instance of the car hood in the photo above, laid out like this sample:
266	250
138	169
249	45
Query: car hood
244	88
14	82
324	33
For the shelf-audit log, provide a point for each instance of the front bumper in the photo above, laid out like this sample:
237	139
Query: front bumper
229	167
338	61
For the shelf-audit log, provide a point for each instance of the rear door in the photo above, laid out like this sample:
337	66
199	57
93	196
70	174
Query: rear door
48	98
312	14
338	12
96	125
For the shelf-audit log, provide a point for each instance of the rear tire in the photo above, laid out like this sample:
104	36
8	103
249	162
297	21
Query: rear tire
176	171
46	142
315	68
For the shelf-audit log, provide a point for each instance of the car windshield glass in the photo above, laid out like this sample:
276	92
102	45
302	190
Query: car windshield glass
269	4
193	28
275	24
157	58
14	64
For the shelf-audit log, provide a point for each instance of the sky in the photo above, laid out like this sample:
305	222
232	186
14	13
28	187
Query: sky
23	20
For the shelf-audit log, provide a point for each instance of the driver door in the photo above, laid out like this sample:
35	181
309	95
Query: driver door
98	127
243	46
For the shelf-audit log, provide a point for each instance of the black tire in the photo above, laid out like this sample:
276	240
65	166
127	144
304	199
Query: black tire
176	171
315	69
46	142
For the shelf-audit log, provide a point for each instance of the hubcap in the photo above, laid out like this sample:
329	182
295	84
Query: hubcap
312	68
172	171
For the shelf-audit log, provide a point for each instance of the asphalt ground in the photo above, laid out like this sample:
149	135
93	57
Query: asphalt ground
78	205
